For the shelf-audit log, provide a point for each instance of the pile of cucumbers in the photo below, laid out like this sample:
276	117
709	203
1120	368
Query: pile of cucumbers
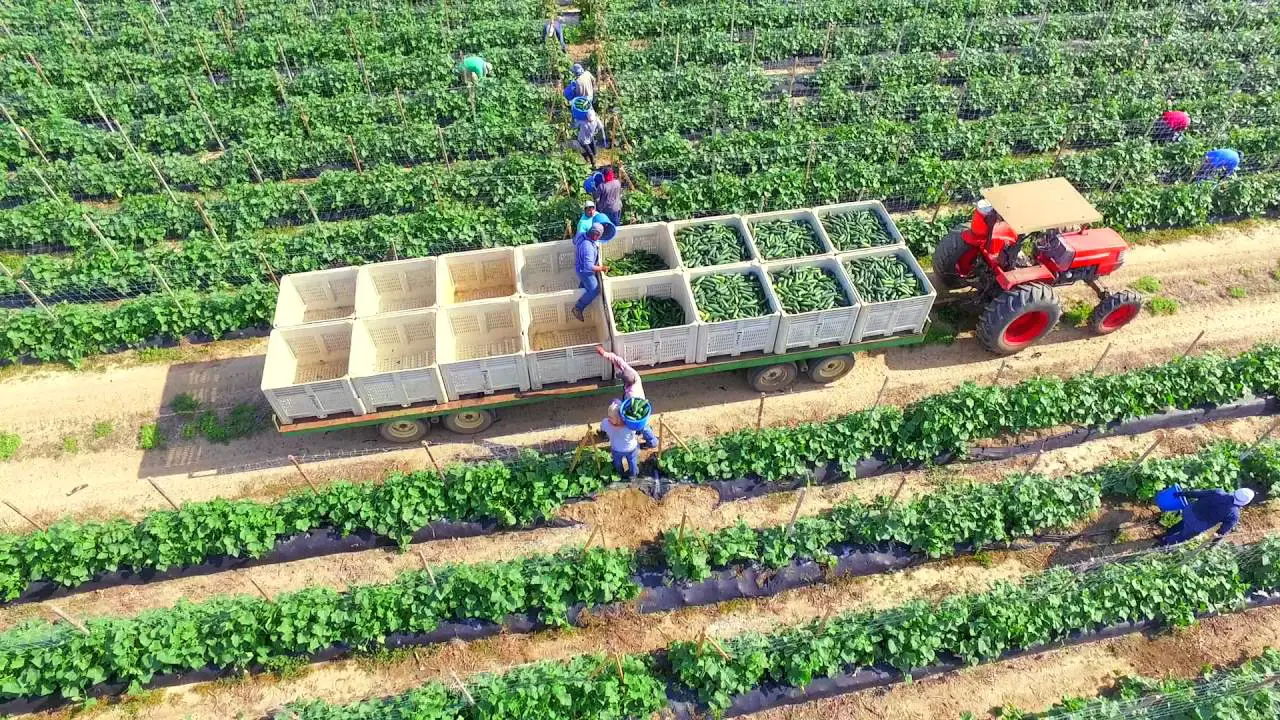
647	313
880	279
782	239
733	296
805	289
634	263
856	230
714	244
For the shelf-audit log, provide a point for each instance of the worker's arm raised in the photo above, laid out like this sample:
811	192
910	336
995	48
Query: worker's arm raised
630	378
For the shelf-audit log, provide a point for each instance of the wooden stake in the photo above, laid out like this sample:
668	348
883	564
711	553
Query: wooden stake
101	238
205	60
1148	452
880	394
162	493
622	677
1003	364
808	163
355	156
31	294
284	59
305	117
404	116
463	688
796	510
1193	344
257	174
85	17
160	176
159	14
23	515
898	492
207	222
255	585
298	467
684	519
312	208
221	17
164	284
72	621
39	70
760	412
945	197
284	97
1036	460
826	44
1261	439
677	62
679	440
427	446
583	444
444	151
595	529
44	183
427	566
717	647
1101	357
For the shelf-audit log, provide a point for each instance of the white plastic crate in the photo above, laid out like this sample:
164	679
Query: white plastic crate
653	347
820	327
805	216
476	275
734	221
546	267
395	286
316	297
877	319
480	348
872	206
305	375
650	237
393	360
560	347
734	337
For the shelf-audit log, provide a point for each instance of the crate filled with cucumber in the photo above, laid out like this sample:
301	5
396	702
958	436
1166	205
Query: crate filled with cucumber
857	226
712	241
894	290
738	310
819	305
641	249
652	317
787	234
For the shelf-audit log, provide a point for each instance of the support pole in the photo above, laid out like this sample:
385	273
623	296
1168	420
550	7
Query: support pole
1261	439
208	121
880	394
297	466
760	412
355	156
30	293
164	495
204	59
315	218
427	446
70	620
208	223
796	510
1101	357
253	166
23	515
24	134
463	688
1193	344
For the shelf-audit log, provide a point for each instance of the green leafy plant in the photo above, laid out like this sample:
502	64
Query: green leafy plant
150	437
71	444
647	313
103	429
1146	285
1161	305
1237	292
1077	313
184	403
9	444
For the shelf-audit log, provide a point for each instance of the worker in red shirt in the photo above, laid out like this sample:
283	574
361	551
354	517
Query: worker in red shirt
1170	127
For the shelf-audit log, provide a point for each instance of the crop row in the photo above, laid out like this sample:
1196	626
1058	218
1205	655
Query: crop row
924	34
1055	606
232	633
307	43
535	486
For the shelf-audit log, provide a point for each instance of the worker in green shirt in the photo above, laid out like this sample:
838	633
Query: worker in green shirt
473	67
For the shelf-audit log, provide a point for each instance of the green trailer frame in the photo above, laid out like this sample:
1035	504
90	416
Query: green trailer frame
773	373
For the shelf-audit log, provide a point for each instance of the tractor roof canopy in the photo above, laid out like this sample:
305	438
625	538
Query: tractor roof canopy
1041	205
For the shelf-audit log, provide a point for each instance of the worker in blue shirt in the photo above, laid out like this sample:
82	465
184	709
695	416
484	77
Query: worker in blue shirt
591	216
587	263
1218	163
1211	507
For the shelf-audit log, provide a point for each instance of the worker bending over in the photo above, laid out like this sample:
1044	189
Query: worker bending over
606	189
588	129
1211	507
1220	163
623	443
1170	126
584	82
474	67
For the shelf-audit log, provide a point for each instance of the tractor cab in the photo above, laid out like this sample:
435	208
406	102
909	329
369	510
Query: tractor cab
990	254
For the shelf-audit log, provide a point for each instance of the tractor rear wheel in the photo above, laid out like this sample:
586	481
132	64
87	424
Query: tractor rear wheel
1018	317
946	256
1115	311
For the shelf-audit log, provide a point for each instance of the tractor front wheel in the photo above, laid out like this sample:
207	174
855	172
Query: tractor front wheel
1018	317
946	259
1115	311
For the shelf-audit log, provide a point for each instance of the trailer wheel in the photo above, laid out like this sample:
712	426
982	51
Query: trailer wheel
403	431
830	369
468	422
773	378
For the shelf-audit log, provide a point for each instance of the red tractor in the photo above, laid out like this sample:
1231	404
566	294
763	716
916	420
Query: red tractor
1021	305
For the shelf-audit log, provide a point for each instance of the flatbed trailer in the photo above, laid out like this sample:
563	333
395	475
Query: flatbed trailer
767	372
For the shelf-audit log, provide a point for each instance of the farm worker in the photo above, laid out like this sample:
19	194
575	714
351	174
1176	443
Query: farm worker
622	439
605	187
1220	163
1170	126
586	263
1211	507
474	67
585	82
591	216
554	27
588	129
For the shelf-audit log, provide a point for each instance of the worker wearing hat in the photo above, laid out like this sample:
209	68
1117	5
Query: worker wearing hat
591	215
625	442
1211	507
588	264
584	82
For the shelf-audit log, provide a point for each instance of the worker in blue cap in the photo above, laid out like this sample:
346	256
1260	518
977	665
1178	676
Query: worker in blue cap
1211	507
1219	163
